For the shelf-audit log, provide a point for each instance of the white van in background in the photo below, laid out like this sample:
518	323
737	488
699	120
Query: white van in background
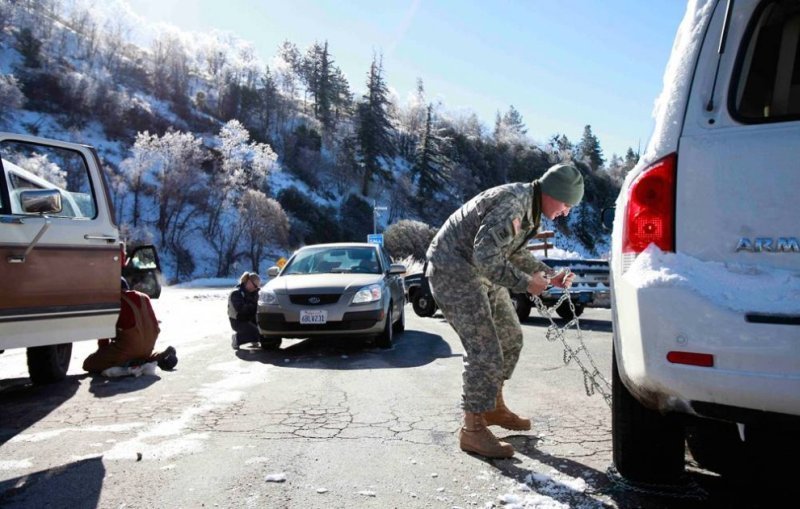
705	262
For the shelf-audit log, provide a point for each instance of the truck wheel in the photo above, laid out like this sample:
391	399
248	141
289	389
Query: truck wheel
423	304
648	447
566	313
48	364
522	305
385	338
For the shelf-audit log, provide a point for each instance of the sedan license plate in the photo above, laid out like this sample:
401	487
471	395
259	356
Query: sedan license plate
313	316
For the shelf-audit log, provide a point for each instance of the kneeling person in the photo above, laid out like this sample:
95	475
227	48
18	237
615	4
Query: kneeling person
137	332
242	307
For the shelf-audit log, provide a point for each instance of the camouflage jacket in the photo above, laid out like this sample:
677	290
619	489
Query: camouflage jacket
488	235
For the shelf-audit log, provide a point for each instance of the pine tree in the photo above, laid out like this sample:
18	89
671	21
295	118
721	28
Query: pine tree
375	128
430	165
510	128
589	149
631	158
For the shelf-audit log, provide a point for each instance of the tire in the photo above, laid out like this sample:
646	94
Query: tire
423	304
384	340
400	324
648	447
715	445
49	364
522	305
565	312
270	342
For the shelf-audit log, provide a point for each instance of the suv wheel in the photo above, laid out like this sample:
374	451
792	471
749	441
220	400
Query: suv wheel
423	304
385	338
715	445
48	364
648	447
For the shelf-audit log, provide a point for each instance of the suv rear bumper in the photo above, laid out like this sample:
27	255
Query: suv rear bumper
756	366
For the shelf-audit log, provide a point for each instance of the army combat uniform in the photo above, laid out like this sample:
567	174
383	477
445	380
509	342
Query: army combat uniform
478	254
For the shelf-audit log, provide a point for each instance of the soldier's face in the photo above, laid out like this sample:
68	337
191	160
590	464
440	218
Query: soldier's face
552	208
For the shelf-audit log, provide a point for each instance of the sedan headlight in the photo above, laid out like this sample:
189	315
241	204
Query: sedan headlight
369	293
267	297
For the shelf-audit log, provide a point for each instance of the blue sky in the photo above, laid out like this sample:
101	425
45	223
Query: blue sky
562	63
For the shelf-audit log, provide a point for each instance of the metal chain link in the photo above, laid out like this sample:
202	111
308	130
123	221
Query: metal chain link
593	380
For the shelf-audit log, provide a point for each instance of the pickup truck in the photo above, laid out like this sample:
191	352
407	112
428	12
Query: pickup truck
61	254
590	288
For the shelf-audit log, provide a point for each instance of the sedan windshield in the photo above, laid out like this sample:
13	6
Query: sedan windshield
328	260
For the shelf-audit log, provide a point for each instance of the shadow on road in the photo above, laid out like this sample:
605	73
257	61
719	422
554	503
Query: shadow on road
74	485
755	486
103	387
558	482
23	404
412	348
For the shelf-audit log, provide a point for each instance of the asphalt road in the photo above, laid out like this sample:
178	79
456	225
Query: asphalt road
320	423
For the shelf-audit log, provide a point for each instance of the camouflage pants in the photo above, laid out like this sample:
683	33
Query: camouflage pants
483	316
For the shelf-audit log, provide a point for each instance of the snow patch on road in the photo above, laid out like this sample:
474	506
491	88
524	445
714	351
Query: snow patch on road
47	435
230	389
279	477
16	464
187	444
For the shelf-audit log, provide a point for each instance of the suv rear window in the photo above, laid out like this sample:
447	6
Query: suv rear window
767	86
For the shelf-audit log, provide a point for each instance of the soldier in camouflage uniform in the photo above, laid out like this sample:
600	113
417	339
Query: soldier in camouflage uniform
476	257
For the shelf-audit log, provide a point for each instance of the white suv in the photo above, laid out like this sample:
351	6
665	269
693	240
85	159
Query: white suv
705	261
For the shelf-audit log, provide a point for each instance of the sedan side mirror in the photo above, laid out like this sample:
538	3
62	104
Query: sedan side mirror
273	271
397	268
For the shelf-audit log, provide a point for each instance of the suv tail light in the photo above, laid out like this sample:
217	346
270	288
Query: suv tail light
650	214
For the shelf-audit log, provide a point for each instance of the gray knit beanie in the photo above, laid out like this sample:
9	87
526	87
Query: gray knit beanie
564	183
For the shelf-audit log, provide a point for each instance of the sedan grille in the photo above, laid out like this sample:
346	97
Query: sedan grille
314	299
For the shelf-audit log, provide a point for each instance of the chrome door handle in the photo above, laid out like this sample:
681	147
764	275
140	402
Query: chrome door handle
107	238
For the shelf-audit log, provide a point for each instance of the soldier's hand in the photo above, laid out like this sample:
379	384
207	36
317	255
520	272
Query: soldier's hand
538	283
563	279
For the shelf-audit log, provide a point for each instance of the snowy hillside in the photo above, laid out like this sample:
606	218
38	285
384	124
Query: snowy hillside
226	161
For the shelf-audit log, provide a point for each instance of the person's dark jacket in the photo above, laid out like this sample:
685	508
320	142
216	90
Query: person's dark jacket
242	305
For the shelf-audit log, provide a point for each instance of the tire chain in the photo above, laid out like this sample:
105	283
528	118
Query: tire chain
686	489
593	380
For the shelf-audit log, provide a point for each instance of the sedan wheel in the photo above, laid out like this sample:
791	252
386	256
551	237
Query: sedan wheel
385	338
400	324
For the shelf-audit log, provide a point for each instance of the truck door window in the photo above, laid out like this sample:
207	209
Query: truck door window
767	87
32	166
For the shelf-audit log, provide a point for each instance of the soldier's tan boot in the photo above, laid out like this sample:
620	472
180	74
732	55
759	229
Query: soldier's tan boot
476	437
503	417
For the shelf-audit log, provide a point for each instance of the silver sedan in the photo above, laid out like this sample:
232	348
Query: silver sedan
343	289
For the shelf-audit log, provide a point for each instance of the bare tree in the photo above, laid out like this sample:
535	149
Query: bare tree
116	33
263	223
244	166
171	163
